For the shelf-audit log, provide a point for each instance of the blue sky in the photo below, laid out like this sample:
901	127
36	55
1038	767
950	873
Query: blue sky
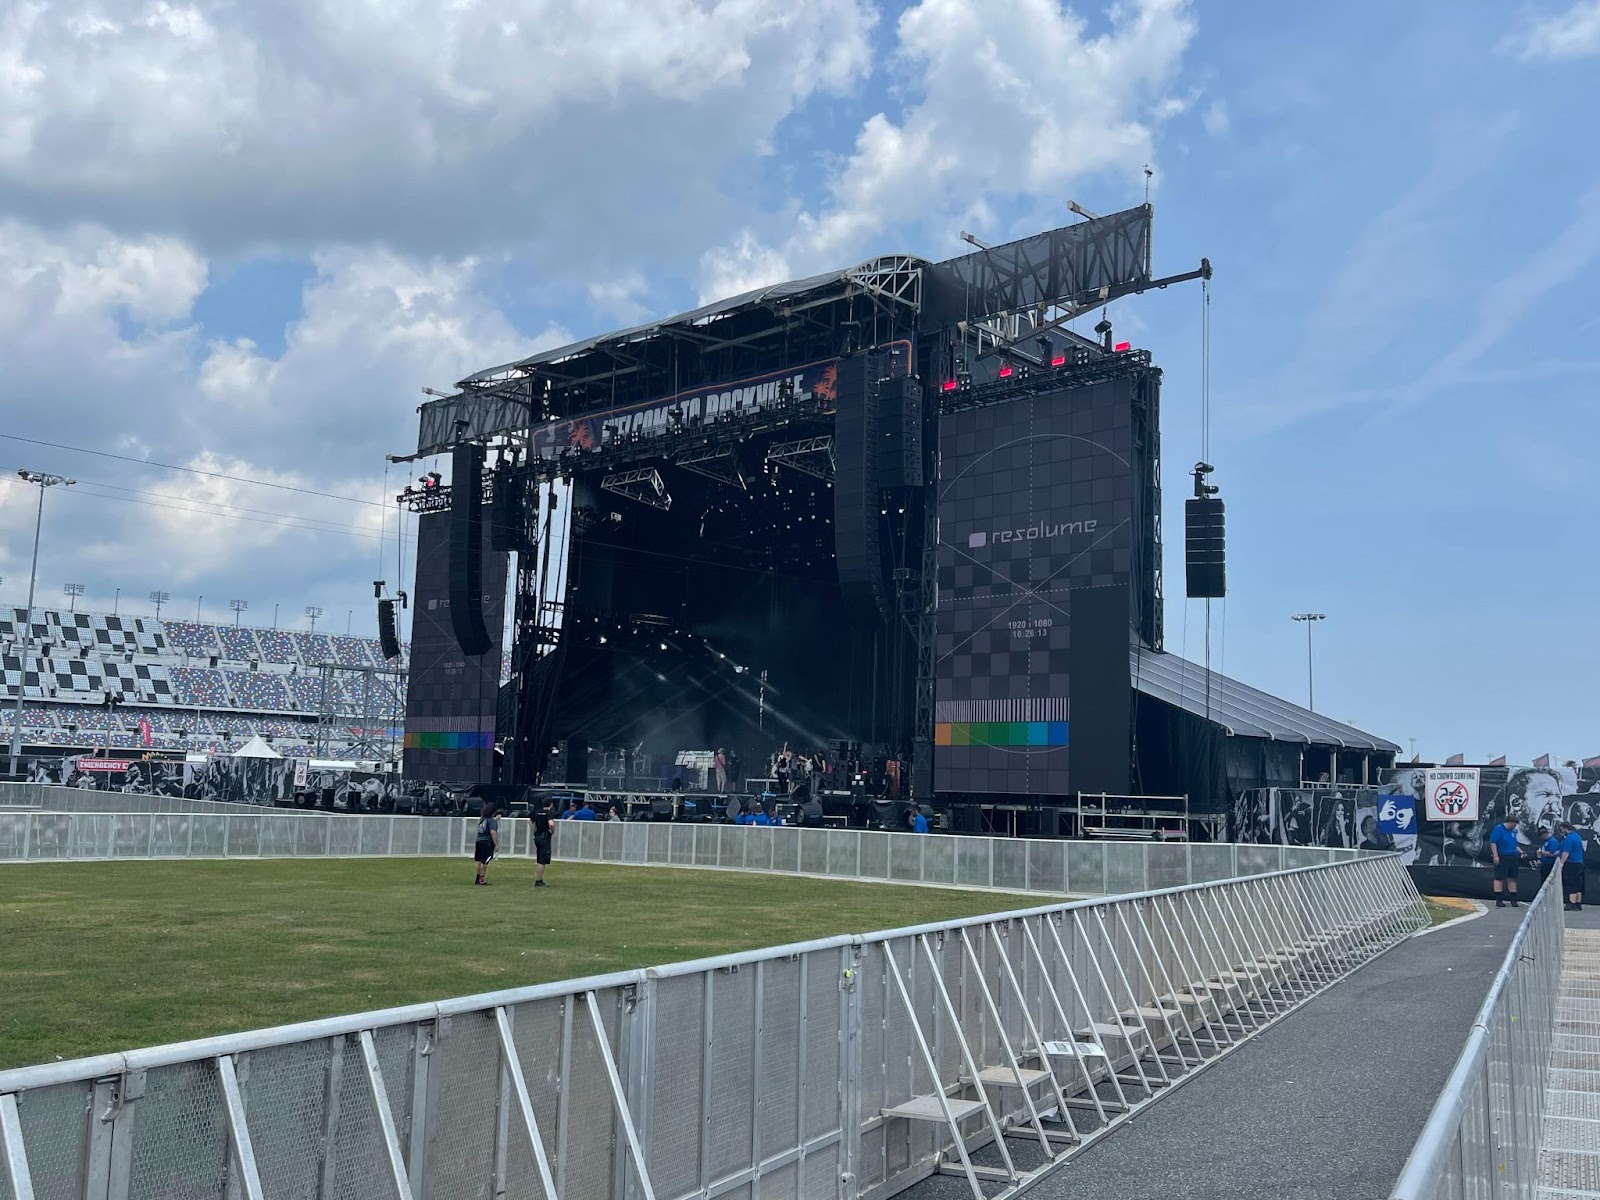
245	240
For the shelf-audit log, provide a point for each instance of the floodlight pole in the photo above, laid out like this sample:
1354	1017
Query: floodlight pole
44	483
1310	619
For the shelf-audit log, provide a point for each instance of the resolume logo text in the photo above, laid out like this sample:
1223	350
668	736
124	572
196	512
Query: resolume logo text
1031	533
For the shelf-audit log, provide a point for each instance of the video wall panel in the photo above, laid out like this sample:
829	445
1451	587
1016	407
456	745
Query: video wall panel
451	698
1036	522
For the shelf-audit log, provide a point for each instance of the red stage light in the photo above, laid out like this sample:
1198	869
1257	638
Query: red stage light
1005	371
1121	346
1059	360
949	385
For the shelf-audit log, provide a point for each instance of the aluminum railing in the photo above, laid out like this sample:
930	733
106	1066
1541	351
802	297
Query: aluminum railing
1052	866
849	1067
260	833
1482	1137
55	798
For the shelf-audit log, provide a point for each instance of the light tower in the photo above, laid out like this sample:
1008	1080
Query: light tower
44	482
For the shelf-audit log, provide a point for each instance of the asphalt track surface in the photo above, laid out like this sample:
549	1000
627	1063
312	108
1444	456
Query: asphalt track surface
1325	1105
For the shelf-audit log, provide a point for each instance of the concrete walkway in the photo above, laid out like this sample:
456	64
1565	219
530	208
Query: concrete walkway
1569	1160
1325	1105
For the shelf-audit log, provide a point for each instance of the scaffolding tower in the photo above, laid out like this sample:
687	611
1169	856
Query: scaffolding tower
363	709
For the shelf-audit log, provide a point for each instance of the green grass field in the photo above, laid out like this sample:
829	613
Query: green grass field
96	957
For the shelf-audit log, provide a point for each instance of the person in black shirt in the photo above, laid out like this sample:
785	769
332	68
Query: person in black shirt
543	827
488	841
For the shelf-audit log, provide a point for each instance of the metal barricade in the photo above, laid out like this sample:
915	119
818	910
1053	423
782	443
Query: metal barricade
1050	866
1482	1137
56	798
847	1067
35	836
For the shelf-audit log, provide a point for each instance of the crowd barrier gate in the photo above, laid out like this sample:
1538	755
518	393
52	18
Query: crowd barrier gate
1482	1137
848	1067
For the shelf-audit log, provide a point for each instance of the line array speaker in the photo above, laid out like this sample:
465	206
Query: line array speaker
900	434
508	519
1205	566
466	550
388	633
856	485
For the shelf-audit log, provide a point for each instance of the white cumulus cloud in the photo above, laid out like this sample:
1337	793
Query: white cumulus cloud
431	127
1574	33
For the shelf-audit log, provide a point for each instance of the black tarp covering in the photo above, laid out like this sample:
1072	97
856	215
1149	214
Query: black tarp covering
1178	754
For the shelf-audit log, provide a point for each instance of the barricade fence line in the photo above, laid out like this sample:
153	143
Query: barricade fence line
91	836
1052	866
1482	1137
1055	867
55	798
851	1066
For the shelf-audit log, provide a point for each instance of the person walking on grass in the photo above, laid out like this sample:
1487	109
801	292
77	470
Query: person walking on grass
543	831
488	841
1506	853
1572	867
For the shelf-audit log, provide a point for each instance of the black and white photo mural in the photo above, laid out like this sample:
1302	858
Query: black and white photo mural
1446	856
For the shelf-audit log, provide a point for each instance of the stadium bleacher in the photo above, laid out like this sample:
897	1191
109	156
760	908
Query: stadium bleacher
239	644
219	684
276	646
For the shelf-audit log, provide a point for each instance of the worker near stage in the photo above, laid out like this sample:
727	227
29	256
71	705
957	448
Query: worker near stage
543	834
1506	852
487	842
1549	853
1572	867
585	813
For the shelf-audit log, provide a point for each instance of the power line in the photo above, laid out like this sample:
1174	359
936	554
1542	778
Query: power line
145	462
265	512
344	531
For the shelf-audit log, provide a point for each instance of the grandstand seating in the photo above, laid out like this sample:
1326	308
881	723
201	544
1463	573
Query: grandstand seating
197	641
353	652
314	648
221	684
276	645
238	644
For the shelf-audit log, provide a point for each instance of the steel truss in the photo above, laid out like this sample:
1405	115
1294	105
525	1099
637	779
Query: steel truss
809	456
715	462
643	485
371	699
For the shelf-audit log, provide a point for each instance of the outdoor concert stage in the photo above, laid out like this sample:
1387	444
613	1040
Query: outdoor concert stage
898	515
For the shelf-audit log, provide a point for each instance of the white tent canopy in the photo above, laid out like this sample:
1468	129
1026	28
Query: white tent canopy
256	748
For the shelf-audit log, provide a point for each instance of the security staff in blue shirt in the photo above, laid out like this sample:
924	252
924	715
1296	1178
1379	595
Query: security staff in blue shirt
1572	867
1503	846
1549	853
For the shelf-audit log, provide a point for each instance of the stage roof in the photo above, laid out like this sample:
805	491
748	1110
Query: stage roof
1239	708
790	290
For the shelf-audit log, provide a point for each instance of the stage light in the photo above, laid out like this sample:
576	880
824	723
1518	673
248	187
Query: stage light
602	639
949	385
1059	360
1120	347
1006	371
663	645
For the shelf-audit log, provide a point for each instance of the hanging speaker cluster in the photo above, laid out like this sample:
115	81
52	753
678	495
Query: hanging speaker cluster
1204	534
466	550
388	630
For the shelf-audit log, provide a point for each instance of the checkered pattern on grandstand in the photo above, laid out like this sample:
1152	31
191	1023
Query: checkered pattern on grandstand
208	680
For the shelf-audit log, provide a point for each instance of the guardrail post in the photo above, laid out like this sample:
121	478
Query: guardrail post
850	1066
426	1080
13	1156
